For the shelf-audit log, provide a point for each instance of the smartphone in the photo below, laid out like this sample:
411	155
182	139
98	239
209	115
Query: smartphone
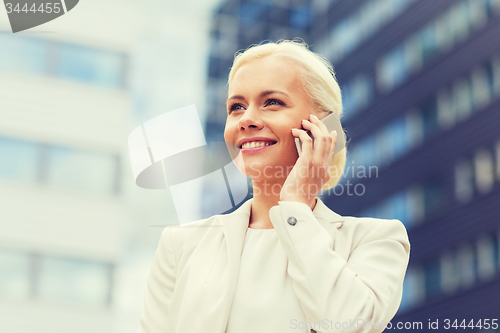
332	122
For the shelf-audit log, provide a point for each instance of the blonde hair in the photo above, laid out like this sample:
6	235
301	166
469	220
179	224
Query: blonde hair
317	77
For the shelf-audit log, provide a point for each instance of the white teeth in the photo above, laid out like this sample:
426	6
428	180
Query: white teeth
255	144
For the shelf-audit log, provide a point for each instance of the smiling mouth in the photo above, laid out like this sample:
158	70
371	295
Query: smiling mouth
257	144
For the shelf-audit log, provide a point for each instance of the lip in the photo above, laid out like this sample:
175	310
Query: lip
256	138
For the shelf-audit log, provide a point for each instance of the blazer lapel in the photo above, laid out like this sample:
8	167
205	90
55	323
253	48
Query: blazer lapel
234	227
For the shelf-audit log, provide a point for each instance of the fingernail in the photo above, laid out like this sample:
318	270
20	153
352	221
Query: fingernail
307	121
314	116
335	131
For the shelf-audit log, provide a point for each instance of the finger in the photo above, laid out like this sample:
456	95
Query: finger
315	120
333	135
306	141
321	143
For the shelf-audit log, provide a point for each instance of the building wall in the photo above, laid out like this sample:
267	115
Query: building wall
421	95
64	113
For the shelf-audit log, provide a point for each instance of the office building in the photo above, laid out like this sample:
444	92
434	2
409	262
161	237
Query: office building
421	97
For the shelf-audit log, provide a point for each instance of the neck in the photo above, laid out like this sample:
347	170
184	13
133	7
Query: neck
264	199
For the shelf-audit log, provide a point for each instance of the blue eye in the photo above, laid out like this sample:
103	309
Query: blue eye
235	106
274	101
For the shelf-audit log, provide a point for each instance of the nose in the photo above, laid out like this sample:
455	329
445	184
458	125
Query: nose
252	118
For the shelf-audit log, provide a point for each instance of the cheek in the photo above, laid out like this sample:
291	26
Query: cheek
228	131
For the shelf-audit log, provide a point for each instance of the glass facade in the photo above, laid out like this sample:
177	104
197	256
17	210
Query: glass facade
438	36
19	159
358	27
417	144
35	276
59	166
15	282
42	57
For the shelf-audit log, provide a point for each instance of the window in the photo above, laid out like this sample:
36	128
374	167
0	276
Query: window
363	23
430	118
433	195
413	288
429	42
462	96
415	205
446	113
464	181
15	275
468	265
496	75
478	13
384	151
393	68
415	125
406	206
498	159
485	174
399	207
495	5
19	159
90	65
82	170
432	276
413	53
250	12
459	21
400	139
486	257
450	28
26	161
39	56
392	141
345	36
74	281
24	54
300	17
496	249
444	36
356	94
449	272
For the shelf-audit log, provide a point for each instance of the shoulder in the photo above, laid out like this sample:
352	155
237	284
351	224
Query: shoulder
368	229
185	238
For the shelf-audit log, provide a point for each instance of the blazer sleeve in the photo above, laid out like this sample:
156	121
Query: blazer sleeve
361	294
160	286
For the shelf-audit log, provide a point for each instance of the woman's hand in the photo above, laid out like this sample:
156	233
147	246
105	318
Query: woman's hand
311	171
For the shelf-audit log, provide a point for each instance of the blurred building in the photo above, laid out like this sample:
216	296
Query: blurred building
421	95
64	220
63	116
77	236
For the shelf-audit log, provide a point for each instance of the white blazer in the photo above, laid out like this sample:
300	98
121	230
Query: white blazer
347	271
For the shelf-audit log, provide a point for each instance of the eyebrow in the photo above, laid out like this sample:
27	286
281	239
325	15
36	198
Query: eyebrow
262	94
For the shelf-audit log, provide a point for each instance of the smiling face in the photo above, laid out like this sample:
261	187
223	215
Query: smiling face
266	100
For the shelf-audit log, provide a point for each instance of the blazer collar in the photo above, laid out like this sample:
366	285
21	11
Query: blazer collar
242	215
235	226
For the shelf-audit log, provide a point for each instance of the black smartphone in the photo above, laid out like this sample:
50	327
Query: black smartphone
332	122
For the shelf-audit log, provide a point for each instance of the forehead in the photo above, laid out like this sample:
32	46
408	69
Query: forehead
268	73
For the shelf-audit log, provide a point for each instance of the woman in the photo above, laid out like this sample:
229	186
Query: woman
283	261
